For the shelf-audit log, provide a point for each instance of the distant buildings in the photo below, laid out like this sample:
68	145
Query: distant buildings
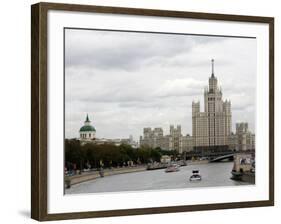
186	143
175	138
153	138
243	139
87	134
173	141
117	141
211	129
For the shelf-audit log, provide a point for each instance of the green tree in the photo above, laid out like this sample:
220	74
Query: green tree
155	155
74	153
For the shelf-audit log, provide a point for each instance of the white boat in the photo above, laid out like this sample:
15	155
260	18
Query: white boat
172	168
195	176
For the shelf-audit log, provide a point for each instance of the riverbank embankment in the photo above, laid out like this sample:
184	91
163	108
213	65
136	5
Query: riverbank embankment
91	175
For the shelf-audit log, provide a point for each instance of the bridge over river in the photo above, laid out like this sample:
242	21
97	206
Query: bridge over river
215	155
228	157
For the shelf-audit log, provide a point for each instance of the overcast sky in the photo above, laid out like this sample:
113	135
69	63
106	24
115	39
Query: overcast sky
126	81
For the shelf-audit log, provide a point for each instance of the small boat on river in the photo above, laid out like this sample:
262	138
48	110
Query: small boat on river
195	176
172	168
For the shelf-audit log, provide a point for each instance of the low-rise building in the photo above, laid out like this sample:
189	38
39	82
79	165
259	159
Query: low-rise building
165	159
173	141
186	143
87	134
243	139
116	141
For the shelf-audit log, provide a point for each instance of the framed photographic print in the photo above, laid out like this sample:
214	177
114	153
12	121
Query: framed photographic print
141	111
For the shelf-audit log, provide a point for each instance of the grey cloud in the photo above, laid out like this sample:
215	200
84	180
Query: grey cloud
126	51
153	80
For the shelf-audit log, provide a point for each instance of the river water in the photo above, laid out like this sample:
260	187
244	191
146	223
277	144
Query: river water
213	174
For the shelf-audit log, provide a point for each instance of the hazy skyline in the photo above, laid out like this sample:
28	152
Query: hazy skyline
126	81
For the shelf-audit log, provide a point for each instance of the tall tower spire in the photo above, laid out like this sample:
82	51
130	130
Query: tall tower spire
213	67
87	121
213	83
87	118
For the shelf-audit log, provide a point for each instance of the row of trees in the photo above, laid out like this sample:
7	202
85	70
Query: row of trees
108	155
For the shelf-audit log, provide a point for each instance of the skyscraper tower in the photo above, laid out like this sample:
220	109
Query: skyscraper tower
213	126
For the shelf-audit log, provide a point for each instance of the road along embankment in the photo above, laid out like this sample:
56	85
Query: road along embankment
91	175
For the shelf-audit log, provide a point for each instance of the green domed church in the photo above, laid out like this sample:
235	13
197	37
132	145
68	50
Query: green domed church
87	131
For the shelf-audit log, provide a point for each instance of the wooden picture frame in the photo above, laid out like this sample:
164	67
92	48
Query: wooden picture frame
39	110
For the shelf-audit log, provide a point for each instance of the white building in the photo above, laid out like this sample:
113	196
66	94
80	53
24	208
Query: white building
152	137
173	141
213	126
116	141
175	138
87	132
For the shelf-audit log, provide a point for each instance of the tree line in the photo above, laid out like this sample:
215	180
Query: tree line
90	155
